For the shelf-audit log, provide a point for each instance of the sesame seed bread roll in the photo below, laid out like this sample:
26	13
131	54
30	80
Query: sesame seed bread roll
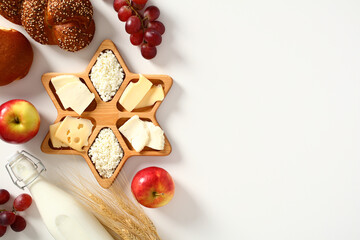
72	37
11	10
59	12
66	23
73	25
16	56
33	20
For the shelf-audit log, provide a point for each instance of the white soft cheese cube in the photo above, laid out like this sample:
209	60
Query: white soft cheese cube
75	95
156	137
136	132
61	80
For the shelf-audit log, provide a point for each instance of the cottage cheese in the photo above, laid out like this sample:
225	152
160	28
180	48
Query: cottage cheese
106	153
107	75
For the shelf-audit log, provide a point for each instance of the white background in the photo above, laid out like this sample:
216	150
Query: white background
263	117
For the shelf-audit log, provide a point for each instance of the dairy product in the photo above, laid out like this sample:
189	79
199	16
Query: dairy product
136	132
107	75
156	136
134	93
156	93
106	152
143	133
74	132
64	217
55	142
76	96
60	81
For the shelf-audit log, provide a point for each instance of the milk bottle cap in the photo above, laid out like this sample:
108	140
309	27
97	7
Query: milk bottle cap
24	168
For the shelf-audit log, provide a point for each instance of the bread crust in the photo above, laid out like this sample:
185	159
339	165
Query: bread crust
11	10
73	26
16	56
68	24
33	20
60	12
72	37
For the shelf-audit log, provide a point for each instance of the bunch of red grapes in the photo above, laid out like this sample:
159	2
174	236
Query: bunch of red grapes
11	218
144	29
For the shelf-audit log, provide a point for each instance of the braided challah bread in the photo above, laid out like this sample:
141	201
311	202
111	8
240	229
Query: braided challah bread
11	10
66	23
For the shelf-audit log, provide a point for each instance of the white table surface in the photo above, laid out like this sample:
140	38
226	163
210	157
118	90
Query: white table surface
263	117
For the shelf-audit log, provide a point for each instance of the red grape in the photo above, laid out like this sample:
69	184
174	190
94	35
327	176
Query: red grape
137	38
137	6
157	25
7	218
148	51
4	196
151	13
140	1
133	24
124	13
2	230
152	37
22	202
118	4
19	224
143	28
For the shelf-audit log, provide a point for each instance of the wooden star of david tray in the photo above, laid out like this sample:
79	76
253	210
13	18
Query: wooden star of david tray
107	114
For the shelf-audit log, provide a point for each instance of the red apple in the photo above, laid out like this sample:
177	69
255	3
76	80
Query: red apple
153	187
19	121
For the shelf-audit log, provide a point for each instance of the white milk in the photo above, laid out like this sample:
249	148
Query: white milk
64	217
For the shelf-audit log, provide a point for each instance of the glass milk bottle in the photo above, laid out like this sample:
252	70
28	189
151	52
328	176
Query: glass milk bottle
64	217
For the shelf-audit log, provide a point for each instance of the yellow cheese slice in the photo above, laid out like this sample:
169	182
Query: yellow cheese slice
134	93
156	136
74	132
136	132
75	95
156	93
55	142
60	81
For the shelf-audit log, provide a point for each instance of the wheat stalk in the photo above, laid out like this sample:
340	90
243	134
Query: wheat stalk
123	218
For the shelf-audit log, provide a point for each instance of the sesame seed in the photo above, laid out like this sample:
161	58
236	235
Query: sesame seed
67	23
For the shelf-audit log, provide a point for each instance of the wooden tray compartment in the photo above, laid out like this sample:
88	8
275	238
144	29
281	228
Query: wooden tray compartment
107	114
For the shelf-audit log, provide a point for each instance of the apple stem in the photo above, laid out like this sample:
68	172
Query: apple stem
158	194
16	120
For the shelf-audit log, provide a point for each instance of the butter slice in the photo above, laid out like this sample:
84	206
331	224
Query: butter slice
156	93
76	96
60	81
55	142
74	132
134	93
156	136
136	132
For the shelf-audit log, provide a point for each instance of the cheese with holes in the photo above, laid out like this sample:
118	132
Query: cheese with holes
54	141
76	96
134	93
136	132
60	81
74	132
156	93
156	136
